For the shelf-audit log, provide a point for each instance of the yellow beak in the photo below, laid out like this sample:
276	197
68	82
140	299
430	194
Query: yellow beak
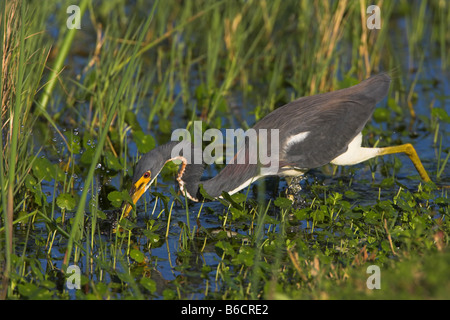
136	193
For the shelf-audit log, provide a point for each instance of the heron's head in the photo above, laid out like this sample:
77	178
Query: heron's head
145	172
149	167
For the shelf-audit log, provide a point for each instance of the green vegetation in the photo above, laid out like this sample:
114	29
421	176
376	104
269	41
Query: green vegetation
80	105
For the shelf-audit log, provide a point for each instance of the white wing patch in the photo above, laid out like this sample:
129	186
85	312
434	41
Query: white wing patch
355	153
297	138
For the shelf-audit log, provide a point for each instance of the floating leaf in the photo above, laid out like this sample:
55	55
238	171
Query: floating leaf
59	173
126	224
302	214
131	119
381	115
30	183
233	203
239	197
151	236
246	255
148	284
226	247
137	255
236	213
165	125
441	114
350	194
144	142
43	169
34	292
38	196
283	203
393	105
352	215
269	220
73	141
88	141
86	157
112	162
117	197
204	193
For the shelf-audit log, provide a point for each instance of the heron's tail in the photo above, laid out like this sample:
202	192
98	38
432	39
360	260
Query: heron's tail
376	87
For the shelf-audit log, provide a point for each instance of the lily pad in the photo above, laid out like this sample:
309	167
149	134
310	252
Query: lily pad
112	162
283	203
43	169
117	197
137	255
73	141
65	201
144	142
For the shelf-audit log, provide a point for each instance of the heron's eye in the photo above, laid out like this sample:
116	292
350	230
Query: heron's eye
147	175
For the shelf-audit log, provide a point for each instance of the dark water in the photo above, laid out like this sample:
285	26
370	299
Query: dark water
433	85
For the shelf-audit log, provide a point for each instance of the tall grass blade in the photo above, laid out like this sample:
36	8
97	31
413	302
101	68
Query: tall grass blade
75	232
15	119
59	63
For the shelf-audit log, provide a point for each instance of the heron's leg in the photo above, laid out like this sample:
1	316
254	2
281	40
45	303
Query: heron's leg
409	150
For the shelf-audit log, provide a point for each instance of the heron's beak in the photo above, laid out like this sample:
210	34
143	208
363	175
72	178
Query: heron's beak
136	192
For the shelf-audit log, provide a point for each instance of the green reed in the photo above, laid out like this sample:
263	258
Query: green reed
229	63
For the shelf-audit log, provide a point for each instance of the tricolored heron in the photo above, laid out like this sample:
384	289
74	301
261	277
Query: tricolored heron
313	131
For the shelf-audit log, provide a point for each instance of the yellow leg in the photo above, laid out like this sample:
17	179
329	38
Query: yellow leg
409	150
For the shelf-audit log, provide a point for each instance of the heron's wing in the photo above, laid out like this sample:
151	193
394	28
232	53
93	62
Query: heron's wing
326	131
315	130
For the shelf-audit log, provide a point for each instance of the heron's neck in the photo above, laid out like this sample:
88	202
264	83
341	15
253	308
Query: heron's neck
231	179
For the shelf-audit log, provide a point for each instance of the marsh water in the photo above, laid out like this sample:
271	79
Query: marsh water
174	261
